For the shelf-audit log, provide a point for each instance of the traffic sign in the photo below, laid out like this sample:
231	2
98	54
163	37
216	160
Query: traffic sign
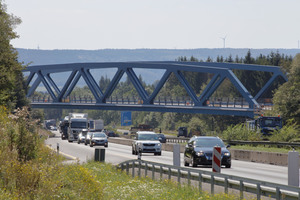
126	118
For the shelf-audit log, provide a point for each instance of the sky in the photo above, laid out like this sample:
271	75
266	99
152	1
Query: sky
156	24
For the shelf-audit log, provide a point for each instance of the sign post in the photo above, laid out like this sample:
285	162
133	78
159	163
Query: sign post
176	155
293	168
216	161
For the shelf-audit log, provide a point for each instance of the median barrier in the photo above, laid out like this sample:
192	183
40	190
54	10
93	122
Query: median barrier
244	155
260	157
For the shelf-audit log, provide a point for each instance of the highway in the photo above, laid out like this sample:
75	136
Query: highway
116	153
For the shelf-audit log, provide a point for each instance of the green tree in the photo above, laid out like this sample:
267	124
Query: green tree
12	87
287	97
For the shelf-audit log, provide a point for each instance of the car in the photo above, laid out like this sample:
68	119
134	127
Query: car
81	136
112	134
162	138
182	131
146	142
88	137
53	128
99	138
199	151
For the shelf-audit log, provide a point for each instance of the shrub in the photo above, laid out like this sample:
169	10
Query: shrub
288	133
240	132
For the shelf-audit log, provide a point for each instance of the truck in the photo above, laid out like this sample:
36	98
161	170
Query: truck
182	131
63	128
266	125
96	125
77	123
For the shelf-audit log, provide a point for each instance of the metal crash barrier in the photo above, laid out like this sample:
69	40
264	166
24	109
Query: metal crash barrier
199	177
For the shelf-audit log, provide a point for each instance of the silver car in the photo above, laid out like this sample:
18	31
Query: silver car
146	142
88	138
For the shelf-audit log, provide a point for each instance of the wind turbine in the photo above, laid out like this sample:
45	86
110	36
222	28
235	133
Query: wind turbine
223	38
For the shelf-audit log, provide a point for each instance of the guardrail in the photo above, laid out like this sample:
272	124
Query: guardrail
176	140
239	142
179	101
278	144
258	188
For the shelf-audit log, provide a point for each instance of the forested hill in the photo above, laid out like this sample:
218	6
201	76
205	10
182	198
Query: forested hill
41	57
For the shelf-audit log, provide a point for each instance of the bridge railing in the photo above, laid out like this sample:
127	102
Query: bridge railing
199	177
174	101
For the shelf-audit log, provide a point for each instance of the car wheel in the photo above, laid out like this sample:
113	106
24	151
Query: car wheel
228	166
85	143
186	163
193	163
133	152
159	153
78	142
70	141
106	145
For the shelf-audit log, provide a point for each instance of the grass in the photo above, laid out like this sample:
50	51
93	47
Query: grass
119	185
93	180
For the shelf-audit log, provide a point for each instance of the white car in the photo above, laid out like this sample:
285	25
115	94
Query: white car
146	142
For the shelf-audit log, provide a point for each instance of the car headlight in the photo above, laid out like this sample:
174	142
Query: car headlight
159	145
201	153
227	154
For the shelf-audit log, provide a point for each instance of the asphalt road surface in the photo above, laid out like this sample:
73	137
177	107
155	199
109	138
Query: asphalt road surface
116	153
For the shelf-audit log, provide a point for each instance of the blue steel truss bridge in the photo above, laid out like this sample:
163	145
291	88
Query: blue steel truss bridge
194	102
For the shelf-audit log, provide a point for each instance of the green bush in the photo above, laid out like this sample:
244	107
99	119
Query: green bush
240	132
288	133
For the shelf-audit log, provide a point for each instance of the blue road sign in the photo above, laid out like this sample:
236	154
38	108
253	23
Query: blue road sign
126	118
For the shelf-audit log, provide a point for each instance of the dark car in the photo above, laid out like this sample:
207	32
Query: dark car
99	138
199	151
182	131
162	138
112	134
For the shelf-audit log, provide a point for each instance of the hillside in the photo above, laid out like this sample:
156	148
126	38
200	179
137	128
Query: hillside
41	57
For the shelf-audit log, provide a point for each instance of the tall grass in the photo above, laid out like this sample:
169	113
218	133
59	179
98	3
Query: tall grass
119	185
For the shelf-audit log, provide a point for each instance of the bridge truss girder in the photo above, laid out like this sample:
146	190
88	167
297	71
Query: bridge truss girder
221	71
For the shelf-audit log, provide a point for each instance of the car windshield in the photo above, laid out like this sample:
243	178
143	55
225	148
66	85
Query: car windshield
147	137
209	142
77	124
99	135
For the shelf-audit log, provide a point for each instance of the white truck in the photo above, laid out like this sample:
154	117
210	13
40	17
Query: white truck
96	125
77	123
